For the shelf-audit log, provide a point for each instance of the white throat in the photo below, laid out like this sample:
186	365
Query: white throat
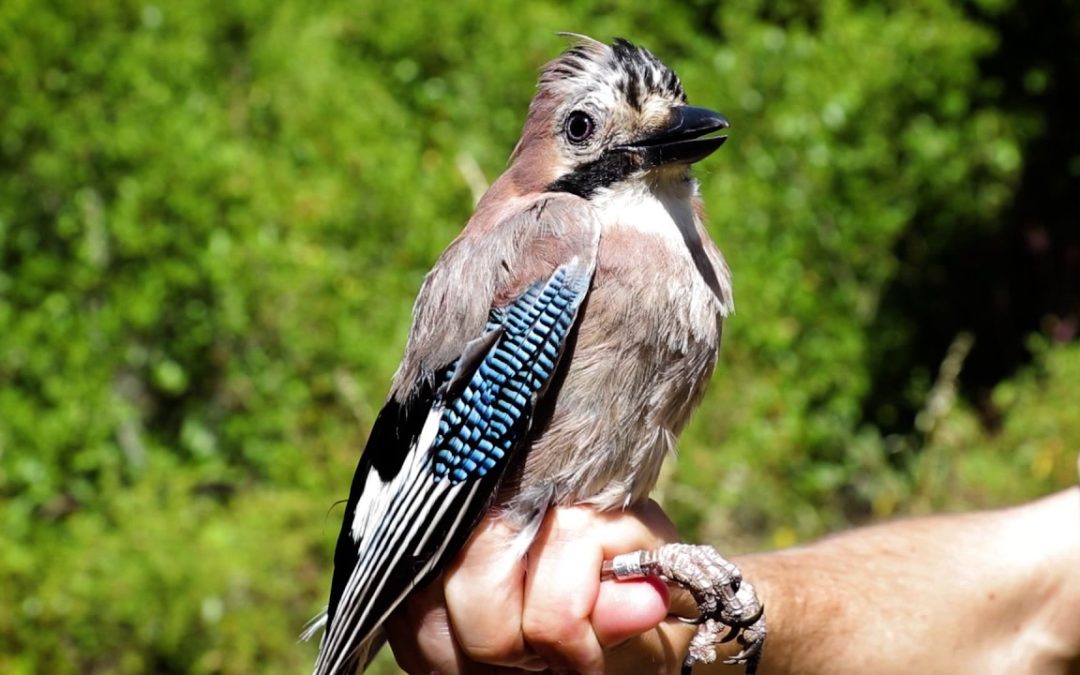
663	207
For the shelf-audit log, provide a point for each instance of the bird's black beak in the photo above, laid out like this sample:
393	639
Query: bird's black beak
680	141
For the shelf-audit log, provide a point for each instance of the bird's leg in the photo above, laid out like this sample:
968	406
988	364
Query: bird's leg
724	600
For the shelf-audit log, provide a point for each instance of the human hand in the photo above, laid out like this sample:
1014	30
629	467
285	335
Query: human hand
493	613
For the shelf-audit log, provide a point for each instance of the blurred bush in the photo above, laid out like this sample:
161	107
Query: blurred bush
214	217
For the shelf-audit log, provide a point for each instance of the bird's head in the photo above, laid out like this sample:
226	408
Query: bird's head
604	114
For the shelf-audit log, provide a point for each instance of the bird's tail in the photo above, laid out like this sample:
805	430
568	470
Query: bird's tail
363	654
359	660
317	622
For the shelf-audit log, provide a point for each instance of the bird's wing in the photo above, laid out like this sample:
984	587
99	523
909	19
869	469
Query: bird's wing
439	449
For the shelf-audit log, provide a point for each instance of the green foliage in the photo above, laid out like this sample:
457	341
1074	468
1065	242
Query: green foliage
163	580
214	217
1033	450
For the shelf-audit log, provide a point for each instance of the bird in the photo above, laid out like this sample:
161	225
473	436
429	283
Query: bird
558	347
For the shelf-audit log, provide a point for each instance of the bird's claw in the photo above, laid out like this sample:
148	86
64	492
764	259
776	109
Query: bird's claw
724	600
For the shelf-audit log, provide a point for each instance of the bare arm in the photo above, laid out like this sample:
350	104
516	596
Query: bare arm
989	592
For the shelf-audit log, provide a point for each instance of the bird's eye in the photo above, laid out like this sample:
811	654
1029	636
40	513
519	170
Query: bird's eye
579	127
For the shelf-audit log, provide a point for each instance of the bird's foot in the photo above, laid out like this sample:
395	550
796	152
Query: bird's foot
724	600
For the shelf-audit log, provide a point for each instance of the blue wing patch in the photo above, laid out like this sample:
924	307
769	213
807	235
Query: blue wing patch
480	425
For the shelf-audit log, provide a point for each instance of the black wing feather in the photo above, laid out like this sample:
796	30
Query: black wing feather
397	426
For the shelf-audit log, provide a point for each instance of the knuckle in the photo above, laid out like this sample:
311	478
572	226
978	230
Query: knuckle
496	648
550	629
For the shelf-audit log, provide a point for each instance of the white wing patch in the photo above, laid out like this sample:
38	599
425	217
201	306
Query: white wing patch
378	495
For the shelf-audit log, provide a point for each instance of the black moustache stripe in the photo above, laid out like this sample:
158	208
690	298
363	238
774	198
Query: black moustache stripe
586	179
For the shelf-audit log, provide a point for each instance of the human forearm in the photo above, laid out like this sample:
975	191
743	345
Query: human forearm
991	592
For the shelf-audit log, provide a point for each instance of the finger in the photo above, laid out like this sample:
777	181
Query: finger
658	527
561	588
659	650
484	591
422	640
625	609
562	567
631	618
420	635
681	603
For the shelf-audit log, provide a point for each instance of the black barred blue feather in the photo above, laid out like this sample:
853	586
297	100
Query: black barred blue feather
433	464
477	428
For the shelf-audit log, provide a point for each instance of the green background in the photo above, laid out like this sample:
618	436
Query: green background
214	217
